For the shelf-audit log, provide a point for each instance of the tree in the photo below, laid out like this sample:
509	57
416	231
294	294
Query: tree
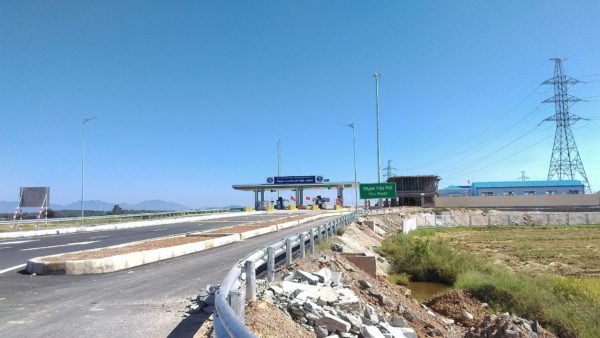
116	210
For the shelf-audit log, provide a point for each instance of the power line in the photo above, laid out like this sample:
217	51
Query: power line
449	155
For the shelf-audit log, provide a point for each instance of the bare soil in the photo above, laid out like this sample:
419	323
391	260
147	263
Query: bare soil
565	251
268	321
236	229
453	304
114	251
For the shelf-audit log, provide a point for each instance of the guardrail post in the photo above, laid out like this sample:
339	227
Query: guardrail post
288	252
568	219
587	219
326	231
270	264
236	302
547	219
312	240
250	281
302	245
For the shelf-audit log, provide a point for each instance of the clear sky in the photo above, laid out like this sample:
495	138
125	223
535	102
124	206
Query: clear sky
191	95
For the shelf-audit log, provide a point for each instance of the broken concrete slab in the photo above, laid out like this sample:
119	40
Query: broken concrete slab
369	331
333	323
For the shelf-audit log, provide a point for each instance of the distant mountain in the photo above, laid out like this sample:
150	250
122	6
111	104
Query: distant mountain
8	206
154	205
157	205
88	205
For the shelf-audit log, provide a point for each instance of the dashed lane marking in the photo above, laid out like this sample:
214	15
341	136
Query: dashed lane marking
13	268
18	242
60	246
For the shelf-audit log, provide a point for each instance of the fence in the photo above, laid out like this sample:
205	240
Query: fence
34	224
230	300
513	218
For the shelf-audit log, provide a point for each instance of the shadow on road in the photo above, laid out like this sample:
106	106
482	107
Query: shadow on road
188	327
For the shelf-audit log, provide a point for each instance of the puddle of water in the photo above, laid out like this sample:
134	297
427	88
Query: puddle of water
422	291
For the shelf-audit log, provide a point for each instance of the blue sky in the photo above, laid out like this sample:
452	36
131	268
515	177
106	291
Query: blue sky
190	96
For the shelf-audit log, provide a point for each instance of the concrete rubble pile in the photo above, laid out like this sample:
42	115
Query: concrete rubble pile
508	326
321	304
205	301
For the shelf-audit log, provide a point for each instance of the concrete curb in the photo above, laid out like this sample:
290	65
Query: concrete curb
133	259
124	261
120	226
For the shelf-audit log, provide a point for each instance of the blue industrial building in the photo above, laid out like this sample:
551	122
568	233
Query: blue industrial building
511	188
455	191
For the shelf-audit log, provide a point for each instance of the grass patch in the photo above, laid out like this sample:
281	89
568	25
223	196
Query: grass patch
340	231
399	278
569	306
323	245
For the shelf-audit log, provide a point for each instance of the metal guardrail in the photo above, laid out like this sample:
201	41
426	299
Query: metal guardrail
35	224
230	300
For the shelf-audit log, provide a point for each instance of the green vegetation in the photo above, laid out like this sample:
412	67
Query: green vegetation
570	306
340	231
399	278
323	245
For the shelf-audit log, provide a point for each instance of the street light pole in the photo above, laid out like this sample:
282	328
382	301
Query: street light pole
278	162
377	76
351	125
86	120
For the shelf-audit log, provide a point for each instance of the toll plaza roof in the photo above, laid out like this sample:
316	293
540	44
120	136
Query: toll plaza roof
293	186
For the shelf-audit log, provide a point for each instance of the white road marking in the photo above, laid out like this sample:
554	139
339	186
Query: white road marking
13	268
19	242
96	237
160	229
5	247
59	246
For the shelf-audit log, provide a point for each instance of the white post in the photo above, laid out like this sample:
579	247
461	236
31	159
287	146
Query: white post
250	281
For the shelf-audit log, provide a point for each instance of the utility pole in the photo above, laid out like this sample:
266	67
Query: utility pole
278	162
389	170
351	125
86	120
523	177
377	76
565	161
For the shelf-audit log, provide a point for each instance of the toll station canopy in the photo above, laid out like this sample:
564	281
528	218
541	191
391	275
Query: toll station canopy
294	183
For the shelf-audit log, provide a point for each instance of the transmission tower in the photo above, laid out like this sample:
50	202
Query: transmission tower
389	170
565	162
523	177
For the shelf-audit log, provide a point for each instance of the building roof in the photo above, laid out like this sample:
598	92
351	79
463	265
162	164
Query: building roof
325	185
527	184
455	187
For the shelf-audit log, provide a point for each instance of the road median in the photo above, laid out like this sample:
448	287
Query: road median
128	255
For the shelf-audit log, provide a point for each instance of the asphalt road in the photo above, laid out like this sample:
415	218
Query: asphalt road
16	252
146	301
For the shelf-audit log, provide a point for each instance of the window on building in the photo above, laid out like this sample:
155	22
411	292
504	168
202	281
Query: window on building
529	192
508	193
551	192
573	192
487	193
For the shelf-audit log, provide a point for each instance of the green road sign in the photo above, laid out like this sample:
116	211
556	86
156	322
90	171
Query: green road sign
347	185
377	190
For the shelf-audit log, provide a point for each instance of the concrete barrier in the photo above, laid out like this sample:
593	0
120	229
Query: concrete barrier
517	201
120	262
117	226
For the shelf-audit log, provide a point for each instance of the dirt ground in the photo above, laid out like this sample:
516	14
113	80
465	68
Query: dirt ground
455	303
267	321
565	251
107	252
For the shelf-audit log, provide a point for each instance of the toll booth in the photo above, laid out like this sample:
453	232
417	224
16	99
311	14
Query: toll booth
297	184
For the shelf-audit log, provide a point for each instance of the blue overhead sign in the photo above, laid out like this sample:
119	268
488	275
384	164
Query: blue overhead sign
295	179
